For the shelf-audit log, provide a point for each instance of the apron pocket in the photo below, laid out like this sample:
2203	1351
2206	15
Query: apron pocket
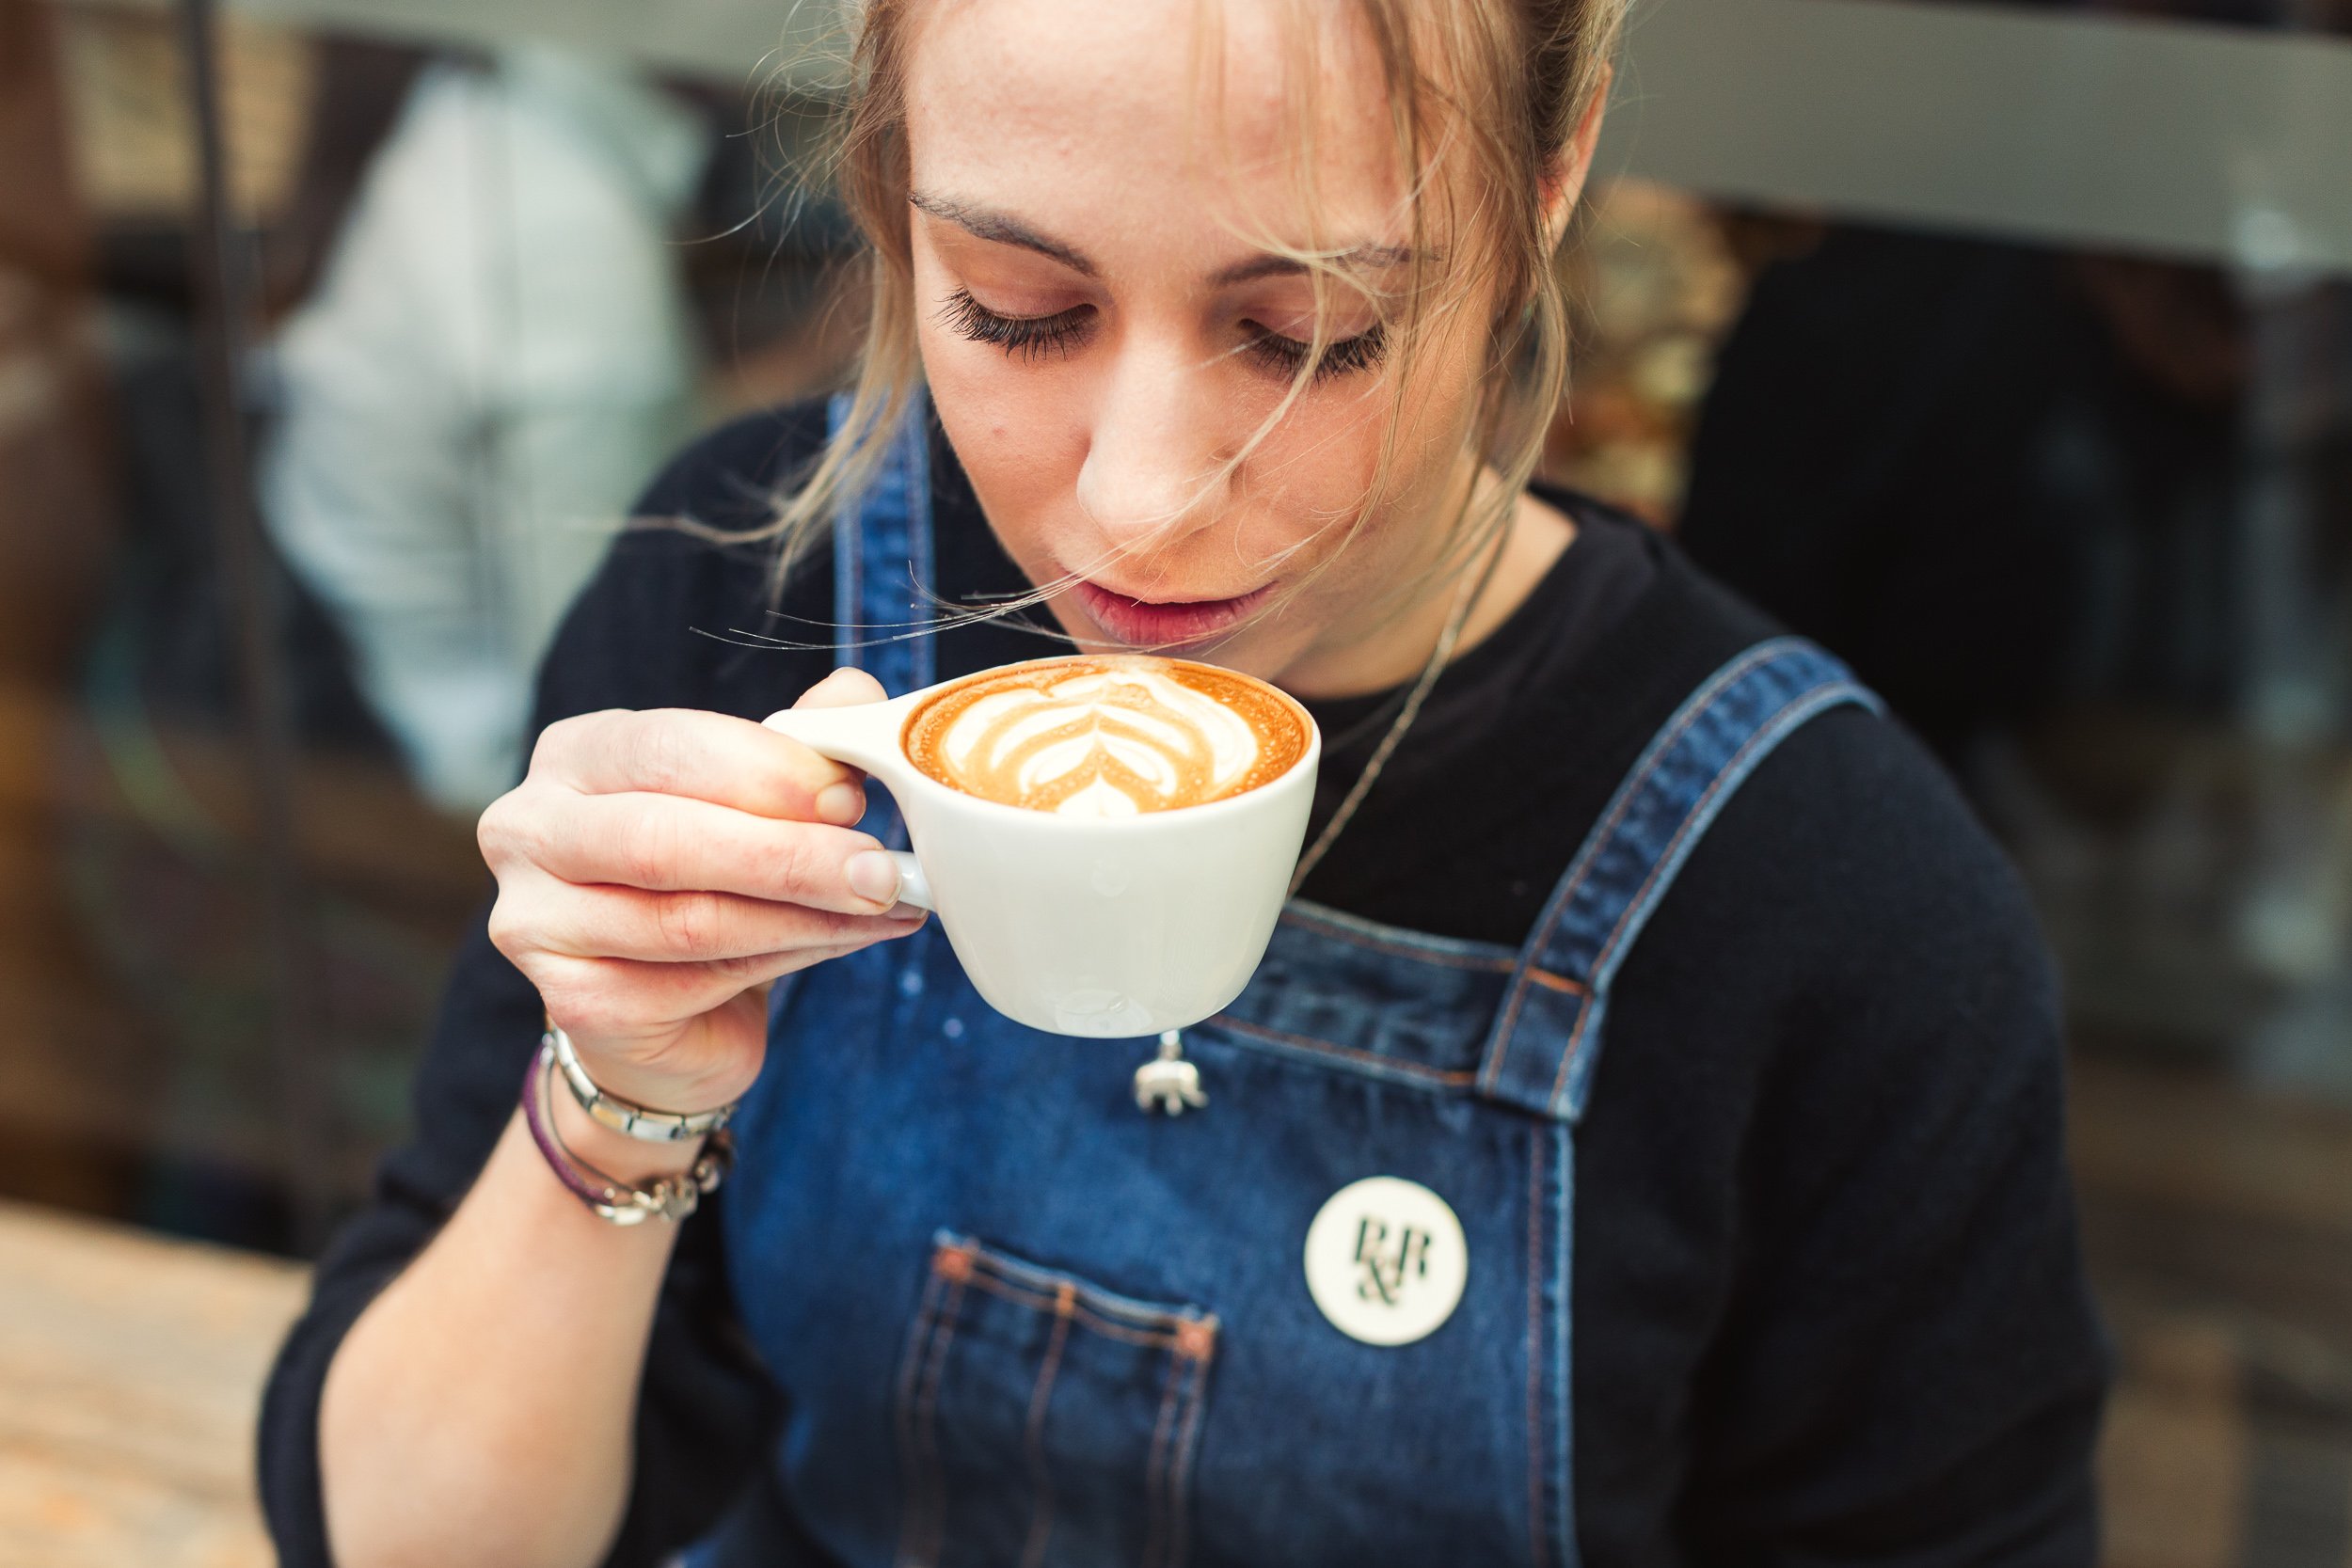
1043	1420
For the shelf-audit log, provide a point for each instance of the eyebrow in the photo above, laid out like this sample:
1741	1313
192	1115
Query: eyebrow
985	223
1362	257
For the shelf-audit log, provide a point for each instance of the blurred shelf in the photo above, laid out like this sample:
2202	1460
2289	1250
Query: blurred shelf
2085	130
363	828
739	43
2196	1144
2078	129
129	956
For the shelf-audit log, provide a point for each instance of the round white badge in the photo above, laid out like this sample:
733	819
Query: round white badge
1386	1261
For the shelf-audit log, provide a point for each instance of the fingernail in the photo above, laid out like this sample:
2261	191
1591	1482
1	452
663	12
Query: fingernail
874	875
840	804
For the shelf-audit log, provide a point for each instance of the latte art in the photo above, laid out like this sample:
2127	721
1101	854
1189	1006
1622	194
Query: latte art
1107	735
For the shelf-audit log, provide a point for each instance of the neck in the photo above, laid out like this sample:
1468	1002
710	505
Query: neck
1396	645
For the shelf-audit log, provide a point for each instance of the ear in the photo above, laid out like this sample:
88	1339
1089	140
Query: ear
1564	180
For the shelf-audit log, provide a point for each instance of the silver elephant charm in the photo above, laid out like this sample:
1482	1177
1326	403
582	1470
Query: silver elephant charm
1168	1082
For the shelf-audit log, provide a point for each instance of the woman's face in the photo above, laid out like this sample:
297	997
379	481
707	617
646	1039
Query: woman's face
1102	337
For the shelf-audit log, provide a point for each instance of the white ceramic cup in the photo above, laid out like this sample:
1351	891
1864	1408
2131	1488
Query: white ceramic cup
1101	926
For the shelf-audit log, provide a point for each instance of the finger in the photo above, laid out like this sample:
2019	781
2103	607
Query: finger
704	757
669	844
696	928
845	688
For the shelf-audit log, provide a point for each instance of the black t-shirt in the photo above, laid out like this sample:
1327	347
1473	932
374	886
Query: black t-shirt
1460	833
1828	1300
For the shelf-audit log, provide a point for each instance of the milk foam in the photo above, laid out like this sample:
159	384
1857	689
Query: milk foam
1101	742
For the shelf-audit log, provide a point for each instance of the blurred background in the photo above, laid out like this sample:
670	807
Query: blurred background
2006	349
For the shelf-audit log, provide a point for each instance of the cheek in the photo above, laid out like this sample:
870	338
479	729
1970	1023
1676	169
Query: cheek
1315	466
1016	433
1311	477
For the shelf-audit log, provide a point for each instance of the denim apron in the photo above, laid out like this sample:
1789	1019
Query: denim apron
1017	1320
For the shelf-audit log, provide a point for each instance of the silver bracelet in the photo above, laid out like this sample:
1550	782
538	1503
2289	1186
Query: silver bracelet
641	1122
668	1197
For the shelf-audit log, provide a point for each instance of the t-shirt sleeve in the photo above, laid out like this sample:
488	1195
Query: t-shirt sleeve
1911	1370
705	1406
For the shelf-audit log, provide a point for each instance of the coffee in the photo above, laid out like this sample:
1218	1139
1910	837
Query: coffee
1107	734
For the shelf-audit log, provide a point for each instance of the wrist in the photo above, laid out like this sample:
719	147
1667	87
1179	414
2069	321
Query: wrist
611	1096
619	1201
624	1158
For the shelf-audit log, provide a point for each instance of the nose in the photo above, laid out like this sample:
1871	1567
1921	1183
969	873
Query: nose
1157	463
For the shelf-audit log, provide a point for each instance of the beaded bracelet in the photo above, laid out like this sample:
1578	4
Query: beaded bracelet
671	1197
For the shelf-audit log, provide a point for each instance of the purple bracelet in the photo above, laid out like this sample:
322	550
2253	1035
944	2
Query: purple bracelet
672	1198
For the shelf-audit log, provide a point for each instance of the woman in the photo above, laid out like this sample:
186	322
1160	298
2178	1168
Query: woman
1228	329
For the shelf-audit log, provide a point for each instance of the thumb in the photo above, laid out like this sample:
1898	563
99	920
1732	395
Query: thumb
844	687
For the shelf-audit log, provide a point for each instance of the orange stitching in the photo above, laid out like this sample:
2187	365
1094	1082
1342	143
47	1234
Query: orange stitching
1112	1329
1155	1510
1491	1071
1546	978
1012	1274
927	1412
1381	944
1004	1289
1196	1338
1180	1517
1033	1439
1567	1057
1440	1075
950	1311
1191	1343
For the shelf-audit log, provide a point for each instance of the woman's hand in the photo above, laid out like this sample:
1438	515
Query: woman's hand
658	870
655	871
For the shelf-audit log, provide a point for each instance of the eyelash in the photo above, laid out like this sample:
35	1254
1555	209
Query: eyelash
1022	336
1340	356
1036	336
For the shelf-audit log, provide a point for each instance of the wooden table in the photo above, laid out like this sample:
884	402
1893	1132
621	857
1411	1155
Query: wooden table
129	1370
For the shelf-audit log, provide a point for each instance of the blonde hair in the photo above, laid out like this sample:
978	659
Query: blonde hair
1500	85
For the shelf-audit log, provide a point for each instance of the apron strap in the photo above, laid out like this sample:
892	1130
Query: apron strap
882	556
882	570
1547	1032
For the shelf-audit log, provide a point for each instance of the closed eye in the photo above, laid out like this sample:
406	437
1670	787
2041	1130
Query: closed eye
1287	356
1020	337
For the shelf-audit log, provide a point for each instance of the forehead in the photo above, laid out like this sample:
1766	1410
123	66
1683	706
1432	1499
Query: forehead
1155	115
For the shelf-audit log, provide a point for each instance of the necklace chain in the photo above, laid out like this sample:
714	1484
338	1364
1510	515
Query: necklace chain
1473	588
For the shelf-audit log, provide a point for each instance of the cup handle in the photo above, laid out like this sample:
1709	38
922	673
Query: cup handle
913	887
865	735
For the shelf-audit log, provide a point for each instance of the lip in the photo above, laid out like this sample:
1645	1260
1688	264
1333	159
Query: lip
1164	623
